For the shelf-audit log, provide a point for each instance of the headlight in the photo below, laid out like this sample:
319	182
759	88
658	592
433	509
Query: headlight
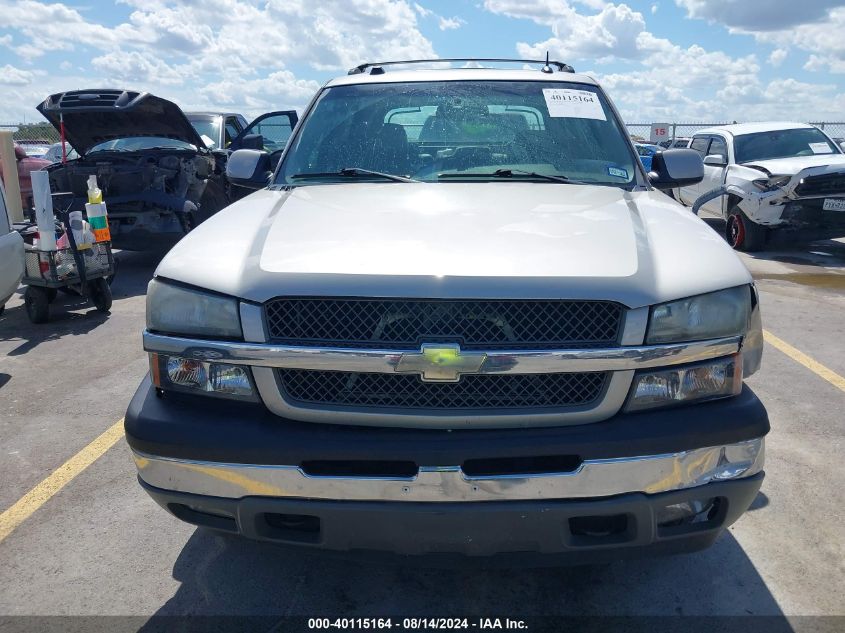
709	380
174	309
189	375
714	315
771	183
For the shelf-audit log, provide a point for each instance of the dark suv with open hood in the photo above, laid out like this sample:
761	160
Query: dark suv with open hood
158	176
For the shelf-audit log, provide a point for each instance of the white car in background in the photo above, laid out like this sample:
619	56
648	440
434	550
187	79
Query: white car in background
54	154
770	176
11	254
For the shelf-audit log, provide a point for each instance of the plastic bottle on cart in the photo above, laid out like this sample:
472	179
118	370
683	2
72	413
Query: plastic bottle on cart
96	211
95	195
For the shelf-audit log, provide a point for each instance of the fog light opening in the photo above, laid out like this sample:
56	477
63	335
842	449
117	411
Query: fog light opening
590	531
685	513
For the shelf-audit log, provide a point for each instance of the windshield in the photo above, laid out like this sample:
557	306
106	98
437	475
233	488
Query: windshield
207	128
782	144
135	143
461	130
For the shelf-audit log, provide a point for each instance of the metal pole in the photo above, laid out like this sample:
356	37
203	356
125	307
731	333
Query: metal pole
10	176
674	128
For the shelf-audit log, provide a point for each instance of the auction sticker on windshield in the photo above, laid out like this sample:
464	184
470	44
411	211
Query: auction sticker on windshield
821	148
574	104
834	204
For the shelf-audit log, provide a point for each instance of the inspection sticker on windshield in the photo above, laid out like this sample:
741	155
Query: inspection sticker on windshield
573	104
618	172
821	148
833	204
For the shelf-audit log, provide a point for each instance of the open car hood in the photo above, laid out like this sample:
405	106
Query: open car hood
94	116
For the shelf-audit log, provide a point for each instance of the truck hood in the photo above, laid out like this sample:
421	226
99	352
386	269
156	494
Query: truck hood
95	116
789	166
449	240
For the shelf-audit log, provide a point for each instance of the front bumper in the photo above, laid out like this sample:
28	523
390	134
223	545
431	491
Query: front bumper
546	532
236	467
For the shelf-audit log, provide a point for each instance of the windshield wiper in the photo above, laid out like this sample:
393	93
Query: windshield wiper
510	173
354	172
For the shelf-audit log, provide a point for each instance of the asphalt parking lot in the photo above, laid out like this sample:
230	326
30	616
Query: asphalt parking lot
100	546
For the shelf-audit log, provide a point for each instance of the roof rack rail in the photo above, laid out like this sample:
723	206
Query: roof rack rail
547	65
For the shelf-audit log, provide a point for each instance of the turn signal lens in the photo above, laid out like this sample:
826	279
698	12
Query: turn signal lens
703	381
189	375
185	372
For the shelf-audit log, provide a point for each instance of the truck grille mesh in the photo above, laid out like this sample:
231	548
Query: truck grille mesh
474	391
407	323
824	185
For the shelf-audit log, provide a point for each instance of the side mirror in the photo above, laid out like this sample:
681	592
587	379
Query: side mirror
715	160
20	153
675	168
249	168
251	141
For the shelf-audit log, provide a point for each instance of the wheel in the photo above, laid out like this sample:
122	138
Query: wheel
51	294
743	234
37	304
2	309
100	294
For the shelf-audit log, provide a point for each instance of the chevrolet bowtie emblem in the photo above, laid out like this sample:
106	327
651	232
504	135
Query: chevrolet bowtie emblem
441	363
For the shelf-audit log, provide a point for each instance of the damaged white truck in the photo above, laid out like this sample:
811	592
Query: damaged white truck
767	177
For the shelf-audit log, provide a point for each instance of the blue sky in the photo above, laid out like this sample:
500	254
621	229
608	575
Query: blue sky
684	60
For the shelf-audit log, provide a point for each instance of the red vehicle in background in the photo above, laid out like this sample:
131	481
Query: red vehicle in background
26	165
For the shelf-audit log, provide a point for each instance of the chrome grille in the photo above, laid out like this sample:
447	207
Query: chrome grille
473	391
407	323
823	185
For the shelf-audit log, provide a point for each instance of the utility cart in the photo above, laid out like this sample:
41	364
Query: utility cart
83	271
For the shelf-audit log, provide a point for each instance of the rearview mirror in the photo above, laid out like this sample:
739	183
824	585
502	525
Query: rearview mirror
249	168
715	160
674	168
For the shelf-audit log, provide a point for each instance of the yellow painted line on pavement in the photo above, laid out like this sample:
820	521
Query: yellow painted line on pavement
800	357
58	479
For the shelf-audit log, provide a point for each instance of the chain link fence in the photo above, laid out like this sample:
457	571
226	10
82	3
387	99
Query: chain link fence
35	138
642	131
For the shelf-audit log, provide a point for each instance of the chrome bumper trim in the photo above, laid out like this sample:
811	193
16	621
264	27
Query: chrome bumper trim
497	361
594	478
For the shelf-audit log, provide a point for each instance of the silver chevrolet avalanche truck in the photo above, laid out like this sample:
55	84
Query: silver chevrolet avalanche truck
458	318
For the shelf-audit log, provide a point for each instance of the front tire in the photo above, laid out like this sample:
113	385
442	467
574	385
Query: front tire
743	234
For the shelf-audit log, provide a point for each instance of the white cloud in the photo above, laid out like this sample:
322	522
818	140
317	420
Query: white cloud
654	8
11	76
816	27
611	33
280	89
773	15
134	67
443	23
423	11
777	56
667	81
216	51
448	24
